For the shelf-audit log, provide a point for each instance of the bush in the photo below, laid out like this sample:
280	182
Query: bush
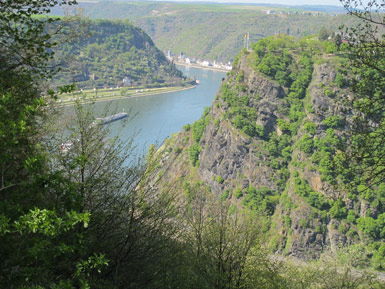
310	127
198	128
287	221
238	193
283	125
216	123
340	80
187	127
263	199
351	233
342	228
351	216
333	121
368	226
338	210
306	144
123	91
194	152
225	195
378	259
328	92
178	150
240	77
304	223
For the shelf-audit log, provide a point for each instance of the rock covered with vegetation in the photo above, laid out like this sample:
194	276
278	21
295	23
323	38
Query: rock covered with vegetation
274	140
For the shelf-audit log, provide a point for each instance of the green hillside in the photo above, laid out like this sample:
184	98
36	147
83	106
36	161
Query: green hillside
214	31
110	52
186	29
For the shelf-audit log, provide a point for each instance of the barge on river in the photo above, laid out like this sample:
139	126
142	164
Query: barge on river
111	118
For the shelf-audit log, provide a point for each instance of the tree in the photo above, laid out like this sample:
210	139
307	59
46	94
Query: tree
344	268
131	222
323	34
224	243
26	43
40	214
365	151
337	40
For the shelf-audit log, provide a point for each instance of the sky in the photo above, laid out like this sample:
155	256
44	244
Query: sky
284	2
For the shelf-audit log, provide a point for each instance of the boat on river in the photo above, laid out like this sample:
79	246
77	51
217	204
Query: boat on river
111	118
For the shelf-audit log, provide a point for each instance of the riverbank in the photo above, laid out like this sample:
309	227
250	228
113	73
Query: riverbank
114	96
202	67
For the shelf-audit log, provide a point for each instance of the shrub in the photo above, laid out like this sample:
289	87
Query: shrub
187	127
351	216
351	233
368	226
194	152
328	92
225	195
238	193
283	125
333	121
338	210
178	150
216	123
342	228
198	128
340	80
287	221
304	223
310	127
306	144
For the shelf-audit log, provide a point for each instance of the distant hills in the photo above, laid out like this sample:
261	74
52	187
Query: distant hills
321	8
215	31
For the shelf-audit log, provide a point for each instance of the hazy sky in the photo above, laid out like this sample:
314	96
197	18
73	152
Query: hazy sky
286	2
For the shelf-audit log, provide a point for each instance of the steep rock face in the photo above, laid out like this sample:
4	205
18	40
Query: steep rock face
232	155
278	169
311	233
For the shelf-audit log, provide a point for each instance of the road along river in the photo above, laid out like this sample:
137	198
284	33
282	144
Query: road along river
156	117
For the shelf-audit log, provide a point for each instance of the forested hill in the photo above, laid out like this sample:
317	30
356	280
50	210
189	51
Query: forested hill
111	51
274	141
183	26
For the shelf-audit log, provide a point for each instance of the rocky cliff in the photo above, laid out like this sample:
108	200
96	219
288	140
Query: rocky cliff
270	143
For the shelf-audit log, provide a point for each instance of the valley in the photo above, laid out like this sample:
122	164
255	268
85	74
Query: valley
192	145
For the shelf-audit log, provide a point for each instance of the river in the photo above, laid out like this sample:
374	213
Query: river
156	117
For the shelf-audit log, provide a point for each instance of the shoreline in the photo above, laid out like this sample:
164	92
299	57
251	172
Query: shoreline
202	67
113	98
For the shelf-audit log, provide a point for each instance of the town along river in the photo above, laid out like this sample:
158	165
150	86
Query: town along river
156	117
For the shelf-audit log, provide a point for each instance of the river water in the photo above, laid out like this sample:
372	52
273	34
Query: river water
156	117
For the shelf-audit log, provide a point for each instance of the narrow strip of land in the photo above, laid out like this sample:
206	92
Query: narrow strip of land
202	67
89	96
